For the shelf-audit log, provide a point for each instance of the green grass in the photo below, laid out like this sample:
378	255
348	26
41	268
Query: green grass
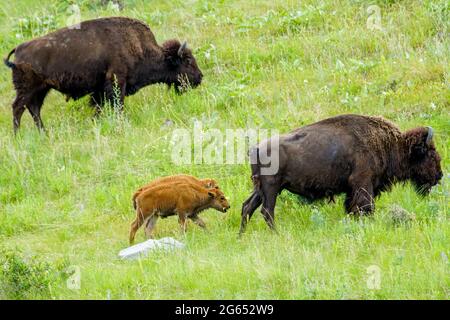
65	197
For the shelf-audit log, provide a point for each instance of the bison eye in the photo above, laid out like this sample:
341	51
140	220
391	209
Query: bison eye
222	198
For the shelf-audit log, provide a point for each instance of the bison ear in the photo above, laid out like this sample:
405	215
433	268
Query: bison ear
170	50
419	141
211	194
211	185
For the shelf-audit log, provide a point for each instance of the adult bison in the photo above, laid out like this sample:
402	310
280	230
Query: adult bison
352	154
93	59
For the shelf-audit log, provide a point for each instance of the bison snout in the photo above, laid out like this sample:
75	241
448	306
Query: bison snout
198	80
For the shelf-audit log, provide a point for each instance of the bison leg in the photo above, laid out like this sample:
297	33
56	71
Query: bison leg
136	224
150	225
268	207
31	92
248	208
18	108
198	221
360	200
97	101
269	186
34	106
183	222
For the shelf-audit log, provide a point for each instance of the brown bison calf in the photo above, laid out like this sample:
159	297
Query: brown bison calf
179	178
186	200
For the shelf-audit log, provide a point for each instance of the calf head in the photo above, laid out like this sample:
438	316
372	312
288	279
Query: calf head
424	160
218	200
182	66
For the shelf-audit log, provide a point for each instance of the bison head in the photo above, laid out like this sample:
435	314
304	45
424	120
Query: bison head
424	160
218	200
183	68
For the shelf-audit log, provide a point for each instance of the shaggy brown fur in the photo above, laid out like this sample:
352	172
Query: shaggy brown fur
180	178
94	59
186	200
356	155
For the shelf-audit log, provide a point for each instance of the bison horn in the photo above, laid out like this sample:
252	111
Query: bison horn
429	136
181	49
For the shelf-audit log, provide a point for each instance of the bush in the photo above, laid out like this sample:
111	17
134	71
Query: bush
22	278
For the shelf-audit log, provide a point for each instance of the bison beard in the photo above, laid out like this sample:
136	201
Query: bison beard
107	59
356	155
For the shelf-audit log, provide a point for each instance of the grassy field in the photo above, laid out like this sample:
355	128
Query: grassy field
65	197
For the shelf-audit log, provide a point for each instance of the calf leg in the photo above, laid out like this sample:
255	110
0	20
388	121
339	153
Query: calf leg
136	224
248	208
150	225
183	222
198	221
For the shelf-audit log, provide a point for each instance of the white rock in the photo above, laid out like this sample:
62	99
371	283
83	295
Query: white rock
142	249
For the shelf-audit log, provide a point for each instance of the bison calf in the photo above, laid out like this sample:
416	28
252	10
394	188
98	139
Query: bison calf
179	178
186	200
106	58
356	155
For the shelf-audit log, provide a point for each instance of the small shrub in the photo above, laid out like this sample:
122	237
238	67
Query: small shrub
22	278
400	216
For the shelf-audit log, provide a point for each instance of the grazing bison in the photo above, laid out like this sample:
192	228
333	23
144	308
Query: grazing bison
179	178
186	200
94	59
356	155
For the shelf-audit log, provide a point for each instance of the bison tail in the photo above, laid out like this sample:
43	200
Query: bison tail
135	195
134	203
254	160
8	63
